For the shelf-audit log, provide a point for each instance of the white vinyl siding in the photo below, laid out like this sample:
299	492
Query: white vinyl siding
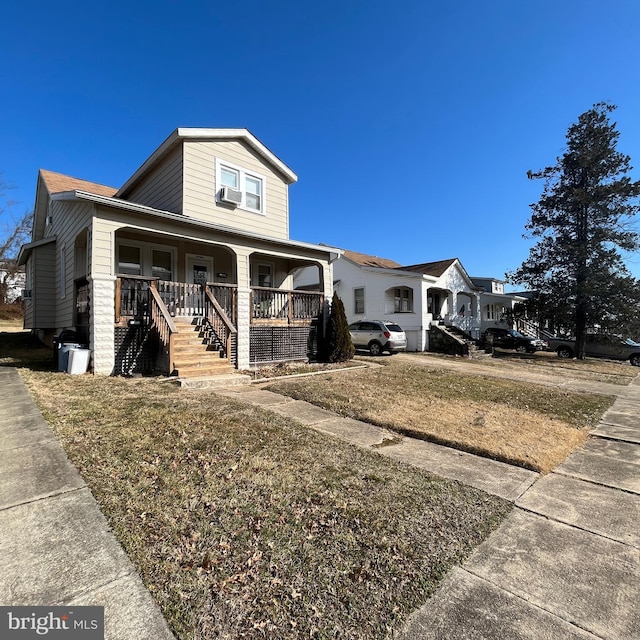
70	220
201	189
63	272
162	188
43	290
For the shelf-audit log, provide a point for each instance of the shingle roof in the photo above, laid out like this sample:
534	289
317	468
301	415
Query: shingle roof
57	183
370	261
430	268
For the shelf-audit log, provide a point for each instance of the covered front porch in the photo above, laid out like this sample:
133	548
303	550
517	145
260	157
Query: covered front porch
162	312
459	309
187	306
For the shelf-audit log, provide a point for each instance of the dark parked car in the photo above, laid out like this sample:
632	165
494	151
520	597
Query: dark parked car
600	346
378	336
512	339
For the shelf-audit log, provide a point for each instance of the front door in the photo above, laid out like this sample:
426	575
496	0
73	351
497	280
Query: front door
199	269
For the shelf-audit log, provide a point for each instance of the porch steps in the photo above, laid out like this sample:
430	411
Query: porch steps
193	356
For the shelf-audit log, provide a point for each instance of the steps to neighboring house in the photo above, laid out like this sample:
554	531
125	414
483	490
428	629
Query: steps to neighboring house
193	355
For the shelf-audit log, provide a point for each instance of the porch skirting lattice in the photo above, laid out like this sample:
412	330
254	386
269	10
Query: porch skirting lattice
274	344
135	351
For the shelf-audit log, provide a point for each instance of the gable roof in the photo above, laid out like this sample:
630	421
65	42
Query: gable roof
365	260
58	183
430	268
181	134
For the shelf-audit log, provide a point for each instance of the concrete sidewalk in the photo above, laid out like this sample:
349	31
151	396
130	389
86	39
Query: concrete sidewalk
566	561
56	547
564	564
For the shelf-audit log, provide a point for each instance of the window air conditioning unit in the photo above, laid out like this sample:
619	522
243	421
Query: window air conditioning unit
26	294
231	196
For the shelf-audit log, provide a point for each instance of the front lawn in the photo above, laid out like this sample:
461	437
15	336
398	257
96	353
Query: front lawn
244	524
529	425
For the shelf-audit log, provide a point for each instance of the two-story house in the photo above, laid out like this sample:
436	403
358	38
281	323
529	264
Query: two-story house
184	268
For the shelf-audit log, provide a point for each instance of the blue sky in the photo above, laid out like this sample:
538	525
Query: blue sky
411	125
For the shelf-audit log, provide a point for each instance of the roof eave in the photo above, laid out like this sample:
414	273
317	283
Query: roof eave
179	217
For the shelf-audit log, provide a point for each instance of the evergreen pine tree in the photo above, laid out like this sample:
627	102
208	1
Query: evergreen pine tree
339	347
582	222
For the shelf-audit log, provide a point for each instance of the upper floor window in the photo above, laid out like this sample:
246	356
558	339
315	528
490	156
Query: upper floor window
248	186
403	300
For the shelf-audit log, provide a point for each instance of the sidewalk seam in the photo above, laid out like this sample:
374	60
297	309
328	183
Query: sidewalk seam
53	494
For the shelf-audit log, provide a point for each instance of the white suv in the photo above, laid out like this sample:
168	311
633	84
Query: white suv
378	336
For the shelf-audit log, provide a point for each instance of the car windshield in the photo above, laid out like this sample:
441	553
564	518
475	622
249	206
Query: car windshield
516	334
631	343
394	327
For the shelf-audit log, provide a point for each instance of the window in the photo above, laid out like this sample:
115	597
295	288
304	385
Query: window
229	178
403	300
161	264
249	183
261	275
129	262
358	300
494	312
136	258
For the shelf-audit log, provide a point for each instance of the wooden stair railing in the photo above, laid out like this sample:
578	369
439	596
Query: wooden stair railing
219	322
163	323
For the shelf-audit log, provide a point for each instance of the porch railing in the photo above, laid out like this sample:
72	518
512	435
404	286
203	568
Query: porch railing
227	297
181	298
284	306
220	323
163	322
132	296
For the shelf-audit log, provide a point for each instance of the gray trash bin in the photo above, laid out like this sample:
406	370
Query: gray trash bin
63	354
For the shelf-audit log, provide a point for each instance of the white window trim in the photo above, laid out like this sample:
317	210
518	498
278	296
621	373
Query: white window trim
244	173
146	261
355	311
409	298
255	273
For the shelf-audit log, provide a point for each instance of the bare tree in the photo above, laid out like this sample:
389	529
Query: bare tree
15	230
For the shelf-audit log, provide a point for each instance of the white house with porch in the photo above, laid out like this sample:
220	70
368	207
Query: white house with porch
186	269
413	296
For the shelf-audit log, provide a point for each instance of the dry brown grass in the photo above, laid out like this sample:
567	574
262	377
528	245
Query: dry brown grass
544	363
244	524
529	425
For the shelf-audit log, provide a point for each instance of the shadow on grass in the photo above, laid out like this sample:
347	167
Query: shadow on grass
22	349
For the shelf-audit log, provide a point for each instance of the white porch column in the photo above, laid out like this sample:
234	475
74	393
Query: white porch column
101	323
244	308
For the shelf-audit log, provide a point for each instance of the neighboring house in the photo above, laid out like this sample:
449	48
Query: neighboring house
11	281
195	243
496	305
413	296
417	296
